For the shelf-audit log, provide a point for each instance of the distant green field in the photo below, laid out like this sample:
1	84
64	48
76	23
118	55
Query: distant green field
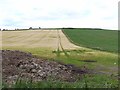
97	39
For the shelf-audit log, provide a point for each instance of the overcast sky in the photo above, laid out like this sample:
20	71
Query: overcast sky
59	13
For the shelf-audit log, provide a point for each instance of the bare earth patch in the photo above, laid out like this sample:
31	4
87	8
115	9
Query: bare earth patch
18	64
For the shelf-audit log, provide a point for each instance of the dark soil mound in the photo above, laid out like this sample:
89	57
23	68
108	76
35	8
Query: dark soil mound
17	64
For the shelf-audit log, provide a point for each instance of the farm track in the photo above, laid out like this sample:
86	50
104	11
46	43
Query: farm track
60	45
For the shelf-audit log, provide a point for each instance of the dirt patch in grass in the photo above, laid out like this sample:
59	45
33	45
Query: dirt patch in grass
88	60
17	64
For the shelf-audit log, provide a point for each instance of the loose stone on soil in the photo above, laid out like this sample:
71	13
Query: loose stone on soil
26	66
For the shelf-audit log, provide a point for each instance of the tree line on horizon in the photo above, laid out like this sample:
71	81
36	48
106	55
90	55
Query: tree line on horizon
31	28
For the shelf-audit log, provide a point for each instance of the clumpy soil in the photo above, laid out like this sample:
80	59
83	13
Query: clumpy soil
17	64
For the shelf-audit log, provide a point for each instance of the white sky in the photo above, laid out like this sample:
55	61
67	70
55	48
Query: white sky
59	13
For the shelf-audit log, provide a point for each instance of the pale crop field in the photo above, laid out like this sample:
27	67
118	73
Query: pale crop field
36	38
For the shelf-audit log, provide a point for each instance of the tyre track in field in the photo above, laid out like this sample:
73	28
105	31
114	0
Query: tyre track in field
60	46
